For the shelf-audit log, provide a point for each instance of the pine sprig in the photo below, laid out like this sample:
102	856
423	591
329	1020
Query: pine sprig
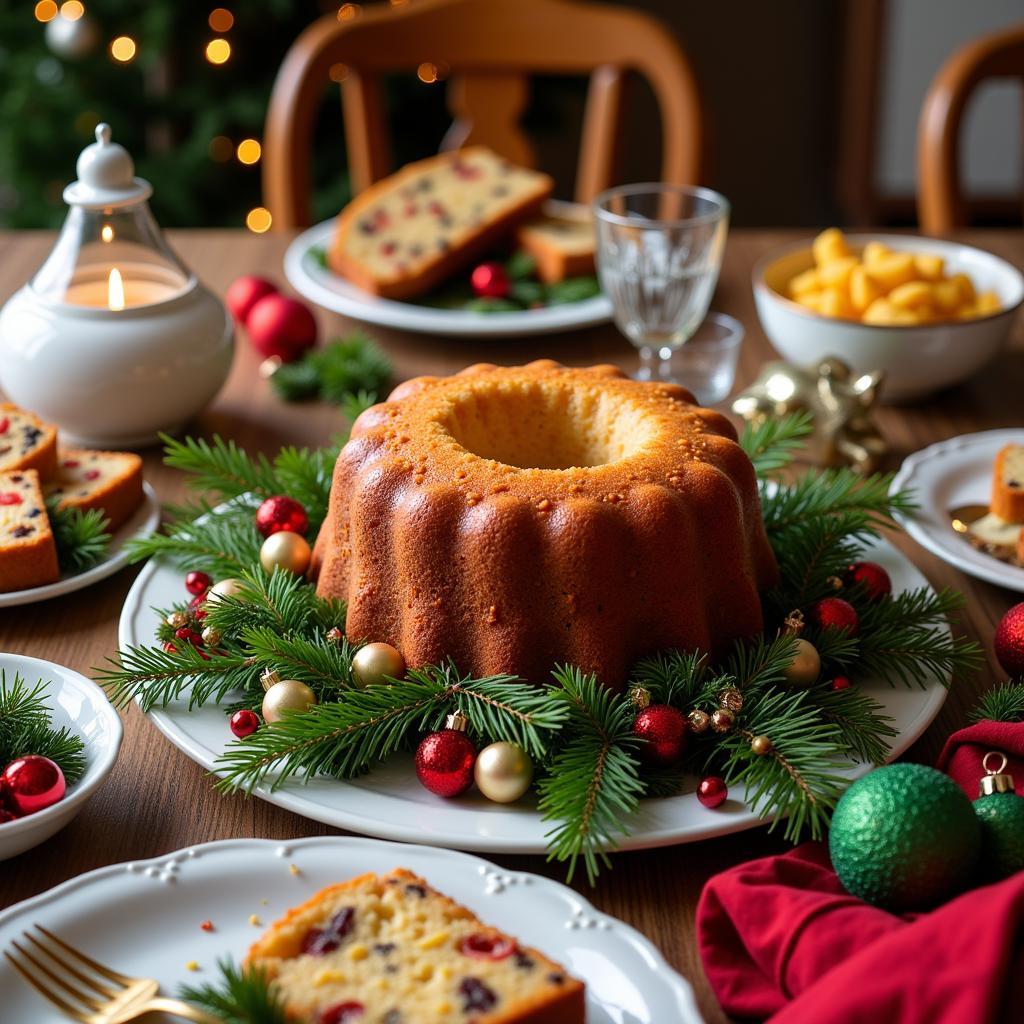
772	443
863	727
1003	704
238	996
25	728
82	537
342	368
671	677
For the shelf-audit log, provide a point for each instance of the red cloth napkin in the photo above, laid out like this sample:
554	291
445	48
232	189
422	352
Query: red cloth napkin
962	755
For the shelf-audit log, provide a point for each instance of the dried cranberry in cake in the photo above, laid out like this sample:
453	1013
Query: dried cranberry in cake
476	995
28	552
108	481
26	442
342	1012
487	947
321	941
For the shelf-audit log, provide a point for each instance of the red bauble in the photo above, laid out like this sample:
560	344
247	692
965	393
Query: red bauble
33	783
490	281
244	723
281	513
197	583
1009	641
281	326
444	762
664	731
872	578
841	683
835	613
244	293
712	791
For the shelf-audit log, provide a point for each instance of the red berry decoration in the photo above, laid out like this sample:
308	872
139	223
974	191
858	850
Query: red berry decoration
663	730
32	783
712	791
481	946
490	281
281	326
244	293
1009	641
340	1013
841	683
835	613
281	513
244	723
197	583
444	759
872	578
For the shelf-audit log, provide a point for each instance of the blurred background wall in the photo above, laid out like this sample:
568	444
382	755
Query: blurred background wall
811	104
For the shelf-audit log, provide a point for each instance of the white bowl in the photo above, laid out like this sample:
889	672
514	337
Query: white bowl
916	360
81	706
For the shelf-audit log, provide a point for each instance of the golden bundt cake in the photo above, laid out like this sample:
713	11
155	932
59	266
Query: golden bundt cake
522	517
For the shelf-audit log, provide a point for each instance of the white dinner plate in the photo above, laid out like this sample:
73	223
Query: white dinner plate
328	289
947	475
390	803
142	524
144	919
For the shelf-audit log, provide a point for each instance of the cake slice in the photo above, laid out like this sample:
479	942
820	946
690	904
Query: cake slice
28	552
389	948
1008	484
409	232
108	481
26	442
562	245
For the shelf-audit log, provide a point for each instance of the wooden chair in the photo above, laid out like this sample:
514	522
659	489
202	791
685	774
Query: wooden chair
491	47
940	205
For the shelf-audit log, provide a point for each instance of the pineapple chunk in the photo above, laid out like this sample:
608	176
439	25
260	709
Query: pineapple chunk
988	303
836	273
835	302
929	267
966	287
873	252
863	290
829	245
883	313
808	281
893	270
912	295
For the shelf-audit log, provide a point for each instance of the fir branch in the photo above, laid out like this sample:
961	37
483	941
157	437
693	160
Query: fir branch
81	536
762	663
772	443
671	677
220	468
1005	703
26	728
238	996
594	782
342	368
324	667
219	545
863	727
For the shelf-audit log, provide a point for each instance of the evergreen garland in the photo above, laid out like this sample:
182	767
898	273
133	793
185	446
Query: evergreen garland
1005	703
344	371
25	728
238	996
579	733
81	536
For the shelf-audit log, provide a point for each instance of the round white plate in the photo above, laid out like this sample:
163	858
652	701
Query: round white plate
330	290
143	523
143	919
947	475
77	704
389	802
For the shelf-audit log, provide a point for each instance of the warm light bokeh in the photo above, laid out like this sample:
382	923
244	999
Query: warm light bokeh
249	151
72	10
220	148
123	49
258	220
218	51
346	12
221	19
338	72
46	10
107	233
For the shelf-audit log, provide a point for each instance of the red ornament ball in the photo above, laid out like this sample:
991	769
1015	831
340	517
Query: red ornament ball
872	578
1009	641
444	762
490	281
841	683
244	293
663	730
712	791
33	783
281	513
197	583
244	723
835	613
281	326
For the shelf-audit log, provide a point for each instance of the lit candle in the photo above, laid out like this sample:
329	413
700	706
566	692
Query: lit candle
115	290
118	289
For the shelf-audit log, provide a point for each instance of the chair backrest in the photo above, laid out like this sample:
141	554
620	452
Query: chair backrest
491	48
940	204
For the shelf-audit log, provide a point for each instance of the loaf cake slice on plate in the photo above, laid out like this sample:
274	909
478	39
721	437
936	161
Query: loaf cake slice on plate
389	949
563	245
1008	484
26	442
409	232
108	481
28	552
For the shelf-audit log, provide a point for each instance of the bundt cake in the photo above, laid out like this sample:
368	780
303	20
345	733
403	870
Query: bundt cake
518	518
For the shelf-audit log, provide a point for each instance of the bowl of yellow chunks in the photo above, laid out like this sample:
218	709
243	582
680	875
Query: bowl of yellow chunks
927	312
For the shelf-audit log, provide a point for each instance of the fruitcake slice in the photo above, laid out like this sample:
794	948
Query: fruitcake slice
26	442
409	232
389	949
562	245
28	552
108	481
1008	484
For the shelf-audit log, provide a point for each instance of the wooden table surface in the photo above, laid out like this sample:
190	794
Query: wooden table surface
156	800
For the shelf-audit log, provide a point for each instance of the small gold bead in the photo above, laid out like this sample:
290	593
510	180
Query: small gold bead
177	619
699	720
761	745
731	699
211	636
334	636
640	696
835	582
722	720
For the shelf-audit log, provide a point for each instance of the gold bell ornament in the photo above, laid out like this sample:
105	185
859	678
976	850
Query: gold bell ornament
284	695
804	669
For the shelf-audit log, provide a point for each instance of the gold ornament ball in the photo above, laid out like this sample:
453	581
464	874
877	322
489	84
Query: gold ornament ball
761	745
287	551
211	636
699	720
374	663
287	695
804	669
177	619
722	720
640	697
334	636
225	588
731	699
503	772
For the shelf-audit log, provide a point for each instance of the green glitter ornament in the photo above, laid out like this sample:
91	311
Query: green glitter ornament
904	837
1001	813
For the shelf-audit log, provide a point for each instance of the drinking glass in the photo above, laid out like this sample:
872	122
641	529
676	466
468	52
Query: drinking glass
659	251
706	364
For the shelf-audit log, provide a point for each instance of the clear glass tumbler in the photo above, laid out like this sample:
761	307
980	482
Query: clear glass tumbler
659	251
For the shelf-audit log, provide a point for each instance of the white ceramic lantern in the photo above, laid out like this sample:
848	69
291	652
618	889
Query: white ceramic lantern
113	339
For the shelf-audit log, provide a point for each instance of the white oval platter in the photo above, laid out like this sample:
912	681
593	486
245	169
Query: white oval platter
144	919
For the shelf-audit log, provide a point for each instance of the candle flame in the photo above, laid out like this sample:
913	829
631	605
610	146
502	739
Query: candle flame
107	233
115	290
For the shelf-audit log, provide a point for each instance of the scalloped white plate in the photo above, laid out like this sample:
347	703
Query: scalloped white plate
142	524
328	289
390	803
144	919
947	475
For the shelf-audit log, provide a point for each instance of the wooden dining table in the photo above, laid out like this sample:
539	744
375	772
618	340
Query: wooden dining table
156	800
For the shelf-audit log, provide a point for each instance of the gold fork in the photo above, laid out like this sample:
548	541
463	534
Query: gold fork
111	998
